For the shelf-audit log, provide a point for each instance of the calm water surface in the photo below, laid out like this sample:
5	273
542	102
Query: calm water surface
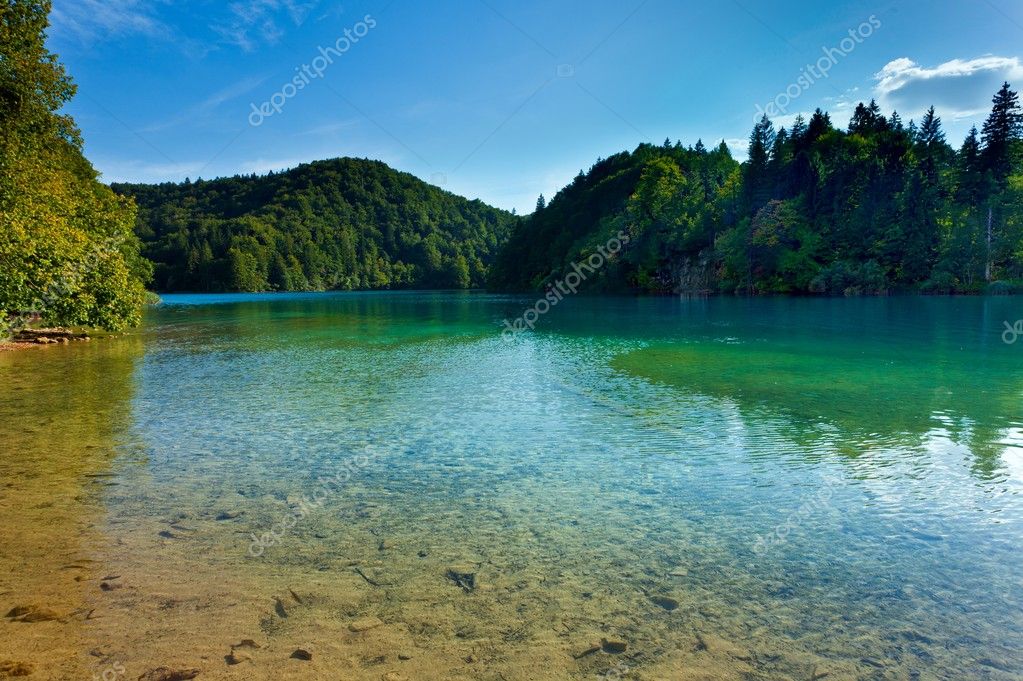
758	489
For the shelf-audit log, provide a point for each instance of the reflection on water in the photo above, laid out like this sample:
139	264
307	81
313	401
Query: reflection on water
62	413
732	489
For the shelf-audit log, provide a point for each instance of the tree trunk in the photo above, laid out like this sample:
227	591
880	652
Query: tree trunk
987	264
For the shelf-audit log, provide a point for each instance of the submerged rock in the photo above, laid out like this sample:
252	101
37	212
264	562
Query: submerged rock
665	602
165	674
464	577
32	613
589	650
237	657
613	646
10	668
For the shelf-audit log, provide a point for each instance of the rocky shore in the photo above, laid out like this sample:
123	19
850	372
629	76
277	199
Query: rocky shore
35	337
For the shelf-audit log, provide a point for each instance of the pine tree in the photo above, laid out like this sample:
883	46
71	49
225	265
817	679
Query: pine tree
931	142
1003	126
819	125
867	119
798	131
757	172
541	203
930	133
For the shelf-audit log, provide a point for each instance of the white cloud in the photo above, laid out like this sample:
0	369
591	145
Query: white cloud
258	21
92	20
739	147
959	88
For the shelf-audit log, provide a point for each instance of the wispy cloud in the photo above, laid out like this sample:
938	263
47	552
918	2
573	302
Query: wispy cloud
331	128
207	106
739	147
253	22
959	88
92	20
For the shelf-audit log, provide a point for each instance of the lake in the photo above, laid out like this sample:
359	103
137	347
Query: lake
640	488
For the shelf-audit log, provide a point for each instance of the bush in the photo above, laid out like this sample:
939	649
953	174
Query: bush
1004	288
849	279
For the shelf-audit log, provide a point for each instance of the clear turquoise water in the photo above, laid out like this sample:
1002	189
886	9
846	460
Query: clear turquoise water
829	484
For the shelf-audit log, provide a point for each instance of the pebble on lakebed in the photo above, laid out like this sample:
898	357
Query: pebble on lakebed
237	657
462	576
10	668
613	646
32	613
665	602
589	650
166	674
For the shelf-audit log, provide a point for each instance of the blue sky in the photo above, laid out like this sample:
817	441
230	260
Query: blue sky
501	99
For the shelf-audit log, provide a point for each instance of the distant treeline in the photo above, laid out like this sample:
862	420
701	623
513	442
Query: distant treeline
338	224
881	206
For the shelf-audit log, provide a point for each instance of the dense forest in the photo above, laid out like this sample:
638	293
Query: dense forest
338	224
879	207
68	254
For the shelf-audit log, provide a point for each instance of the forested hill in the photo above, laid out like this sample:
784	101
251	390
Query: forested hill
883	205
338	224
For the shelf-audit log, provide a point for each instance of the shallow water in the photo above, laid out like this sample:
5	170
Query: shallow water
736	489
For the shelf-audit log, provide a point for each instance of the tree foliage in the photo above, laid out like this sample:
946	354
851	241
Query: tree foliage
878	207
339	224
67	250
